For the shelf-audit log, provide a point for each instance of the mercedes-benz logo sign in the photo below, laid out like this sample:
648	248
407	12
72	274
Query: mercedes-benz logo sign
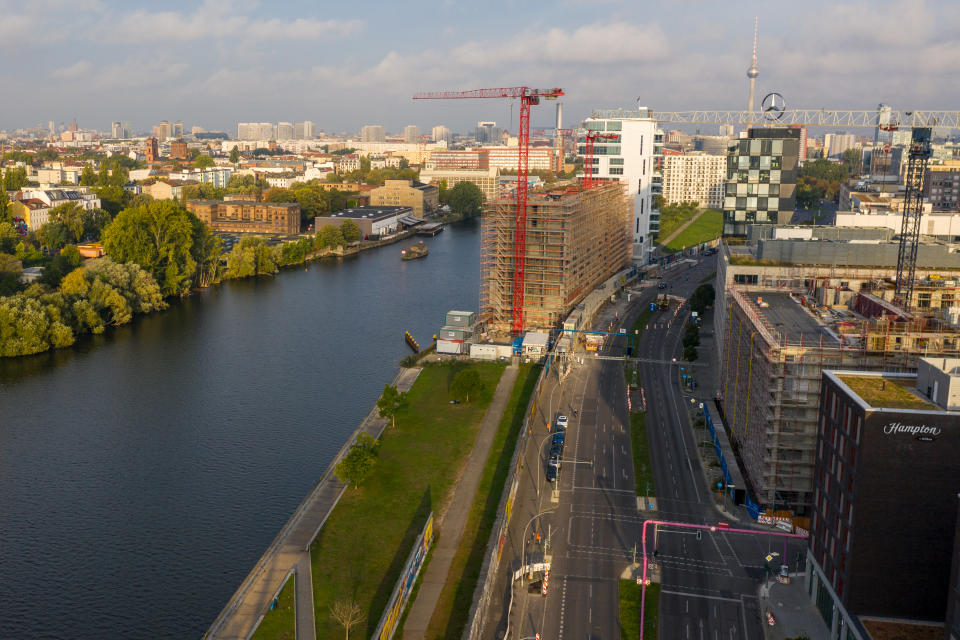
773	106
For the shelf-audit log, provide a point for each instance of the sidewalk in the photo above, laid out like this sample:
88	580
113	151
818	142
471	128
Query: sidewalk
291	547
795	614
454	521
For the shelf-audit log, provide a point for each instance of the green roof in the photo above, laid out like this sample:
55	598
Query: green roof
882	392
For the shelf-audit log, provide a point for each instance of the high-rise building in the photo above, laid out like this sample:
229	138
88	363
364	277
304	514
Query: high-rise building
627	158
442	133
411	133
51	127
885	498
284	131
762	171
116	129
163	131
177	129
303	130
488	132
255	131
372	133
695	177
834	144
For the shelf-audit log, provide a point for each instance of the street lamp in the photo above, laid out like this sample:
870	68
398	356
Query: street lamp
523	556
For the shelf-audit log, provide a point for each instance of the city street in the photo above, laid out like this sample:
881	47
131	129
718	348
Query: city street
590	527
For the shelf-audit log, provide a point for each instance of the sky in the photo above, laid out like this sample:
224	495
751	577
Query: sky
342	65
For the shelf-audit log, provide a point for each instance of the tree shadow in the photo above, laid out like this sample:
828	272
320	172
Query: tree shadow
385	589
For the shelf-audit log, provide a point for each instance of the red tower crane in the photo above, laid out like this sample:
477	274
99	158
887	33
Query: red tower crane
528	97
592	136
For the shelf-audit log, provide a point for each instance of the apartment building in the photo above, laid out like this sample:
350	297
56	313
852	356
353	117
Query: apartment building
488	180
507	158
422	199
372	133
941	186
695	177
248	216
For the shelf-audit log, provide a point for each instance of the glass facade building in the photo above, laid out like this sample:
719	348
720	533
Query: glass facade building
761	179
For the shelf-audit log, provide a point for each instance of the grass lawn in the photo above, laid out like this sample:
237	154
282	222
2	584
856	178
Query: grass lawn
886	393
672	217
707	227
451	615
630	594
281	623
361	549
642	469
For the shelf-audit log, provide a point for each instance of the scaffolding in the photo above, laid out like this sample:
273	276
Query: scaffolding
771	388
575	239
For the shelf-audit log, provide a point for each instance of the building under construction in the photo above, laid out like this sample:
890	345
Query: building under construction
778	326
575	239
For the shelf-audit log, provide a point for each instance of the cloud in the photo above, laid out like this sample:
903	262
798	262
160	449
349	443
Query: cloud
78	68
215	19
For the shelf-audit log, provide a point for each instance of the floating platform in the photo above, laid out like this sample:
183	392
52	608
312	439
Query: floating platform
418	250
430	229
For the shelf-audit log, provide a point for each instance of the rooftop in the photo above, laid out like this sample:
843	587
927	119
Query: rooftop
373	212
788	317
886	392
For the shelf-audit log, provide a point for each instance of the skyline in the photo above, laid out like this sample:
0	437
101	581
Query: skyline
218	63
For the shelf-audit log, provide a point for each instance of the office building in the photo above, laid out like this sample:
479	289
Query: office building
284	131
575	240
941	187
834	144
487	132
695	177
248	216
441	133
628	158
116	129
488	180
422	199
304	130
374	221
177	129
886	451
372	133
538	158
255	131
468	159
411	133
762	171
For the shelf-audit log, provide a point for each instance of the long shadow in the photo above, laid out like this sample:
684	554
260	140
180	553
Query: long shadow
389	581
463	596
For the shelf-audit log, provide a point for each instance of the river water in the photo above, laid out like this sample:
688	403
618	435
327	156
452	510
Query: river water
143	473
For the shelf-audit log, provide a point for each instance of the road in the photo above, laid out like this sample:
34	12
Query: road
709	585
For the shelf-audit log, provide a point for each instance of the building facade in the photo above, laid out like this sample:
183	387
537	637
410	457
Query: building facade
468	159
441	132
575	240
628	158
247	216
374	221
178	150
696	177
372	133
488	180
151	150
411	133
941	187
885	504
508	158
422	199
761	180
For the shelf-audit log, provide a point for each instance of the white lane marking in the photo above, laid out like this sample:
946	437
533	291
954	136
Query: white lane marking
688	594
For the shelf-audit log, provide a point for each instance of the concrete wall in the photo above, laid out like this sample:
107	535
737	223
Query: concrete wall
853	254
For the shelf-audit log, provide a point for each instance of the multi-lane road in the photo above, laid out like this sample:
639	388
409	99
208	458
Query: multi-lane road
590	527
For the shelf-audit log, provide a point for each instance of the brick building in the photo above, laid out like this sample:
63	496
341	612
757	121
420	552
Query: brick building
423	199
247	216
178	150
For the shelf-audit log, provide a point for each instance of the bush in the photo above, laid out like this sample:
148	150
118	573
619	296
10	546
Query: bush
690	353
358	464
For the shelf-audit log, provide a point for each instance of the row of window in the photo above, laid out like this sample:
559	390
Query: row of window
752	203
754	162
752	189
755	175
757	147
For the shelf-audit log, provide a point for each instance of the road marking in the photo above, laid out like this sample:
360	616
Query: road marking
687	594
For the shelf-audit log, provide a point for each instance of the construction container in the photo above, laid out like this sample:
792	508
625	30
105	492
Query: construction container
449	346
454	333
460	318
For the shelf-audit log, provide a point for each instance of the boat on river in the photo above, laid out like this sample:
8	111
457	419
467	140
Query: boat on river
418	250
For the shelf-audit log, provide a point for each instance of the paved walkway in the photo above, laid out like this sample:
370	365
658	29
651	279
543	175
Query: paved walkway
680	229
455	519
291	548
795	614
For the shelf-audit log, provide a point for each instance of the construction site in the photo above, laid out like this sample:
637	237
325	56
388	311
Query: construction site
575	239
779	326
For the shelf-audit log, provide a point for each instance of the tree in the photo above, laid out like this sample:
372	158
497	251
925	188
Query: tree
465	383
702	298
691	338
347	613
350	231
15	179
72	216
88	177
279	194
204	161
8	237
235	155
358	464
53	236
251	257
328	237
390	401
443	191
113	198
690	353
159	237
466	199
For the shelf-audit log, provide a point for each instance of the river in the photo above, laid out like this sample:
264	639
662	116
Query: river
144	472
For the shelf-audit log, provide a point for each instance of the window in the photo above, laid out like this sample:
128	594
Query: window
616	161
614	125
594	125
616	171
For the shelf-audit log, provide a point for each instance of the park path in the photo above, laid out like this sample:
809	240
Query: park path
680	229
454	521
290	550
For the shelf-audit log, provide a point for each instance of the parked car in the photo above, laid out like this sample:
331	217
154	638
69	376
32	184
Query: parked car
551	473
562	422
559	437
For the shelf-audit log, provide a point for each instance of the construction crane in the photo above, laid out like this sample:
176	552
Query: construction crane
528	98
591	137
884	118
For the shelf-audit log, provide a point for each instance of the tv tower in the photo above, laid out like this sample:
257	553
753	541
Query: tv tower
753	71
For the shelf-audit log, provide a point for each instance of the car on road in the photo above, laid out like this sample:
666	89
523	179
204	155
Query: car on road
559	437
551	473
556	449
555	460
662	285
562	422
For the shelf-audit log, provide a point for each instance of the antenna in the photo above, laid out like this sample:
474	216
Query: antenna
753	71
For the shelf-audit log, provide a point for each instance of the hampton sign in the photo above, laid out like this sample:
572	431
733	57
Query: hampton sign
920	432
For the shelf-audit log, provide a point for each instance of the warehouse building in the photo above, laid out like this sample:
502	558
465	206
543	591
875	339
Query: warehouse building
374	221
